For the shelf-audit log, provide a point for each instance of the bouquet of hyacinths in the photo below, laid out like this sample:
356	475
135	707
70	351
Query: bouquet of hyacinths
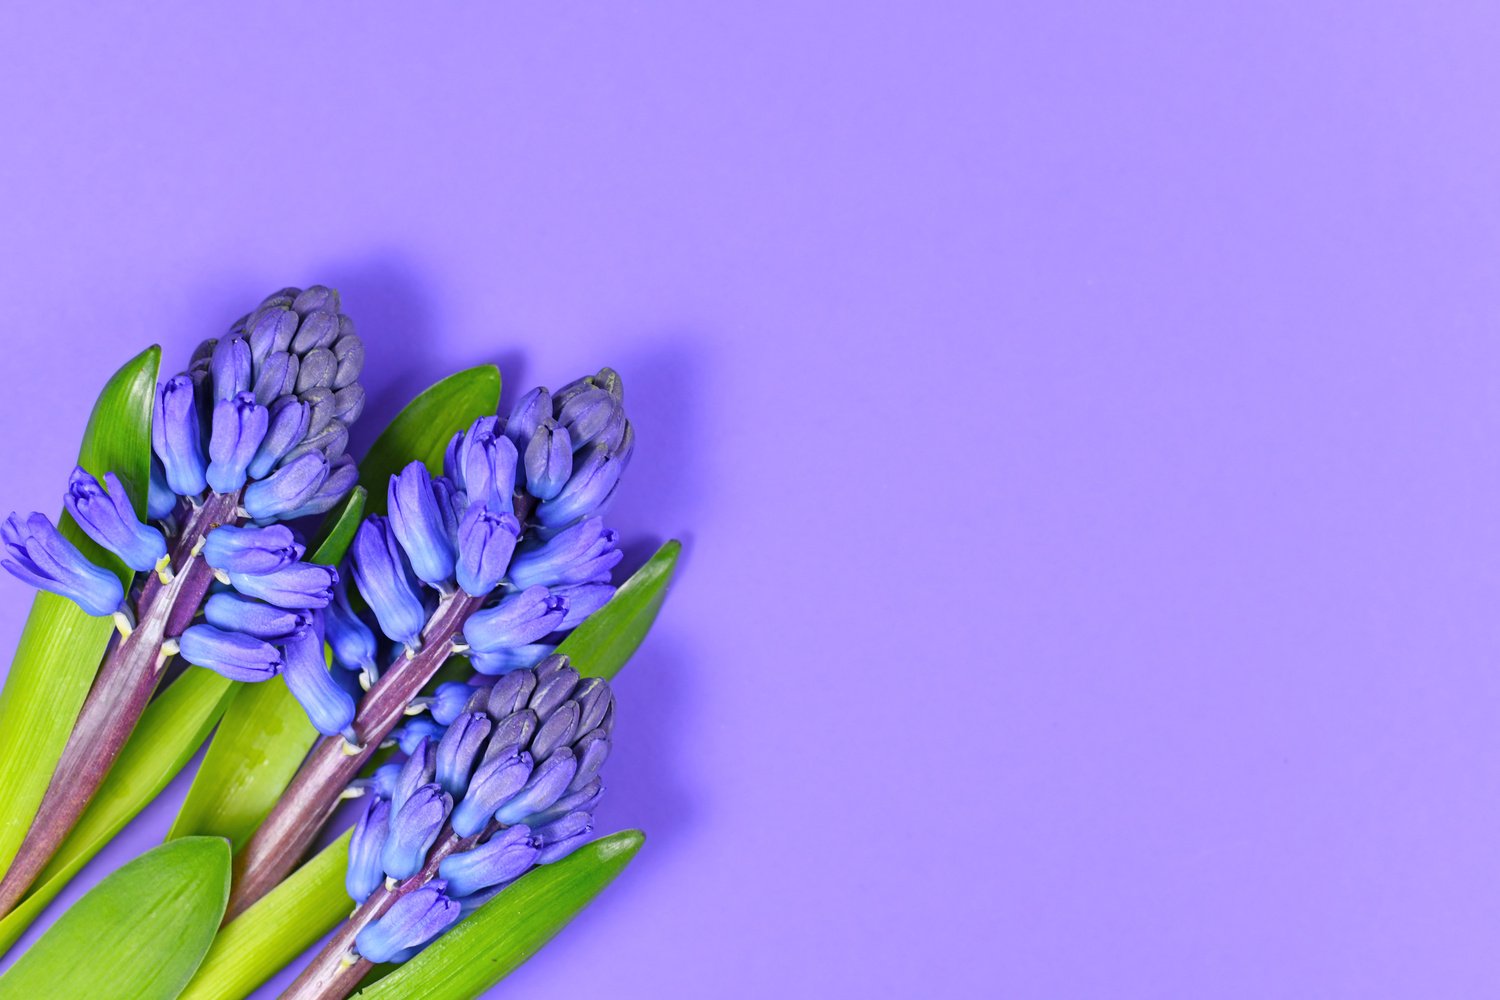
443	656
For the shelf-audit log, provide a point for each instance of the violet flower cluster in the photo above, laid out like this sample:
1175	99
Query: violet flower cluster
254	430
513	521
509	780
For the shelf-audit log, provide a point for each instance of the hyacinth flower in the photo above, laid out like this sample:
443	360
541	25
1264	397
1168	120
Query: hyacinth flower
509	782
251	434
437	578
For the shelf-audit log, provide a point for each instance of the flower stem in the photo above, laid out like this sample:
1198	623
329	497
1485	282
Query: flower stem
121	690
305	806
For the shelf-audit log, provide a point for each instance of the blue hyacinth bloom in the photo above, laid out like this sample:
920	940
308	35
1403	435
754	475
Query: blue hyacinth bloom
385	581
503	858
235	549
451	699
37	553
517	620
526	416
287	427
415	825
160	500
486	540
583	599
329	707
288	488
419	525
504	661
177	437
583	553
586	414
233	613
109	519
300	585
238	427
352	641
549	460
230	365
548	782
235	655
497	779
365	846
412	921
458	749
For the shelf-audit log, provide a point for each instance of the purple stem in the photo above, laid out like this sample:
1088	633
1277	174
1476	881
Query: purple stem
122	688
309	800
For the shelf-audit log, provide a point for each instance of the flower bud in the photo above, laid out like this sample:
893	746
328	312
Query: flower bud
276	377
230	367
412	921
234	655
504	661
583	599
515	621
486	541
234	549
504	857
300	585
287	488
37	553
239	427
352	641
160	500
385	581
511	694
584	553
418	524
233	613
558	730
177	437
329	707
495	782
109	519
415	825
596	473
549	460
458	749
490	470
365	845
270	331
288	425
350	354
547	784
342	477
585	414
527	415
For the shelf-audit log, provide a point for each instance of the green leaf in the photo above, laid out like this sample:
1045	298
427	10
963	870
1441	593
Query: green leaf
262	738
494	940
280	926
170	731
61	646
137	935
423	429
610	636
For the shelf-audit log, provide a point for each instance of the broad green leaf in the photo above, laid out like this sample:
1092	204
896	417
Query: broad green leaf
610	636
278	928
423	429
137	935
494	940
60	647
262	738
169	733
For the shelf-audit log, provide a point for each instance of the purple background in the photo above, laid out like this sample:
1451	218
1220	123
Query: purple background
1081	420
